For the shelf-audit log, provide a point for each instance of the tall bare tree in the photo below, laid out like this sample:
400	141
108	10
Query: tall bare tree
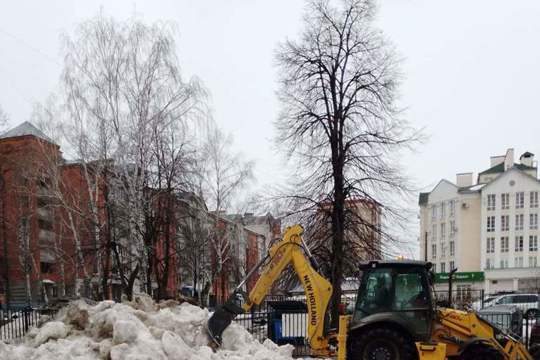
126	112
340	125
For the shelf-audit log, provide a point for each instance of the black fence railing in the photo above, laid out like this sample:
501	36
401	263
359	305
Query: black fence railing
289	326
14	324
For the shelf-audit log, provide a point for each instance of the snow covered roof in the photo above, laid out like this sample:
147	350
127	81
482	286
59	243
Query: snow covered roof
24	129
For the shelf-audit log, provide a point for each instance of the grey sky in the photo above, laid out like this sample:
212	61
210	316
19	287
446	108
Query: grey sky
471	74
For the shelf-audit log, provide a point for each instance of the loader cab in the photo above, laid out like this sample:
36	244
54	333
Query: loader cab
397	293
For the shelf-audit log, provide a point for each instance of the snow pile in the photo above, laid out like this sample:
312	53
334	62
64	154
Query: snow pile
140	330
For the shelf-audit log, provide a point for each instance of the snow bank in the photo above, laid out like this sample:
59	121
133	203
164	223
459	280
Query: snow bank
139	330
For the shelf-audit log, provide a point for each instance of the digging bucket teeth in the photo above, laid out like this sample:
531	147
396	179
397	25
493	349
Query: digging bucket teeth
221	319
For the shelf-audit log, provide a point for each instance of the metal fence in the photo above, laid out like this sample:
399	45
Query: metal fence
290	327
15	324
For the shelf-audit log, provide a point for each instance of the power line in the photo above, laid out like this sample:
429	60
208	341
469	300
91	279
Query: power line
31	47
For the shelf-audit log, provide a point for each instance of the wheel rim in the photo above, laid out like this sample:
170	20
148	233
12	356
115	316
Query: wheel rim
381	350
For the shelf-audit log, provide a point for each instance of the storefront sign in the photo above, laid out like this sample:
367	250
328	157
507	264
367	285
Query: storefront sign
460	276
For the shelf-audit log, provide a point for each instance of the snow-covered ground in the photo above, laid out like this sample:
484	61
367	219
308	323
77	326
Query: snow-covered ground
140	330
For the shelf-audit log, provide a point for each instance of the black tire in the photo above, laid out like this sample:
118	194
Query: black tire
535	351
381	343
481	352
531	313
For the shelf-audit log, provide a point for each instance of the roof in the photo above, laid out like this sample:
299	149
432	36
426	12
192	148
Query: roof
25	129
471	189
526	154
513	169
499	168
394	263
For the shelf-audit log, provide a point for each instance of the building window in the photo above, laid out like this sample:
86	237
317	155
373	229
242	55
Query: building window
46	268
533	221
452	205
433	251
433	212
504	244
518	262
519	222
533	243
490	223
443	231
504	263
434	268
452	265
519	244
505	222
434	232
520	200
490	245
443	250
491	202
489	264
443	210
452	248
505	201
533	261
534	199
443	267
453	228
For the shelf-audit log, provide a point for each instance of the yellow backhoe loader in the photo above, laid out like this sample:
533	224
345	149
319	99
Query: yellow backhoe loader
395	317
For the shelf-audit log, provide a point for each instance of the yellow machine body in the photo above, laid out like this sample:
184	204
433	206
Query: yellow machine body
450	328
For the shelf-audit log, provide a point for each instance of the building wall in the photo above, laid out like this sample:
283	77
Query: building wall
21	161
521	265
456	213
468	243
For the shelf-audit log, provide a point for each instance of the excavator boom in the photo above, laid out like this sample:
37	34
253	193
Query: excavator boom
290	250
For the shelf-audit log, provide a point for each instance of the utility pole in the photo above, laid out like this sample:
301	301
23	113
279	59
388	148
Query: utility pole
425	246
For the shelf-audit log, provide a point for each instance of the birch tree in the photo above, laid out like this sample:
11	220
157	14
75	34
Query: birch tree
123	101
225	175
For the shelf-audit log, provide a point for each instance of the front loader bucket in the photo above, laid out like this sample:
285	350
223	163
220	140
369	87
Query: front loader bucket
221	319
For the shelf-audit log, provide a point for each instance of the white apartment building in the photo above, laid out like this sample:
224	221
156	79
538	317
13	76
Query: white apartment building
491	235
510	224
450	231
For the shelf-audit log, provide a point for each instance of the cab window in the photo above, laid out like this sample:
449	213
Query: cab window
375	293
410	294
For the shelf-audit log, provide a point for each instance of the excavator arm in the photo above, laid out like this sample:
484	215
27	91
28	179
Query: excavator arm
290	250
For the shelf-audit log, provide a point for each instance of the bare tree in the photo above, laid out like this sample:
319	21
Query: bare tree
341	127
126	111
193	245
224	175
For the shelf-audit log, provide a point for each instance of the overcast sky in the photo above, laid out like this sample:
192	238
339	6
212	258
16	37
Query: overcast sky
471	69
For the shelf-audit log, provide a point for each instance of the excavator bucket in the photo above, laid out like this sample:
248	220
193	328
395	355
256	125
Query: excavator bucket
221	319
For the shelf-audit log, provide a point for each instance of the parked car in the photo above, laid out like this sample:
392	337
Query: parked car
528	303
479	304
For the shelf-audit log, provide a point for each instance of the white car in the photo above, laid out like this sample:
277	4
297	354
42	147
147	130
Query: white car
528	303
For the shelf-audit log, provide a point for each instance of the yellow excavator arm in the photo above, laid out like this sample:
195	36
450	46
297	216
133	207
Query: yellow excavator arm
290	250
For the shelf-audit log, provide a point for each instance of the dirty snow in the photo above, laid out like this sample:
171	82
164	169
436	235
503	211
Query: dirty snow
140	330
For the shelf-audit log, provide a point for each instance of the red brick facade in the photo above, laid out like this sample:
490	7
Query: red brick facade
45	210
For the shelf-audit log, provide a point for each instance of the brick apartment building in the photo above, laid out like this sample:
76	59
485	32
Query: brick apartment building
28	230
251	237
38	257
